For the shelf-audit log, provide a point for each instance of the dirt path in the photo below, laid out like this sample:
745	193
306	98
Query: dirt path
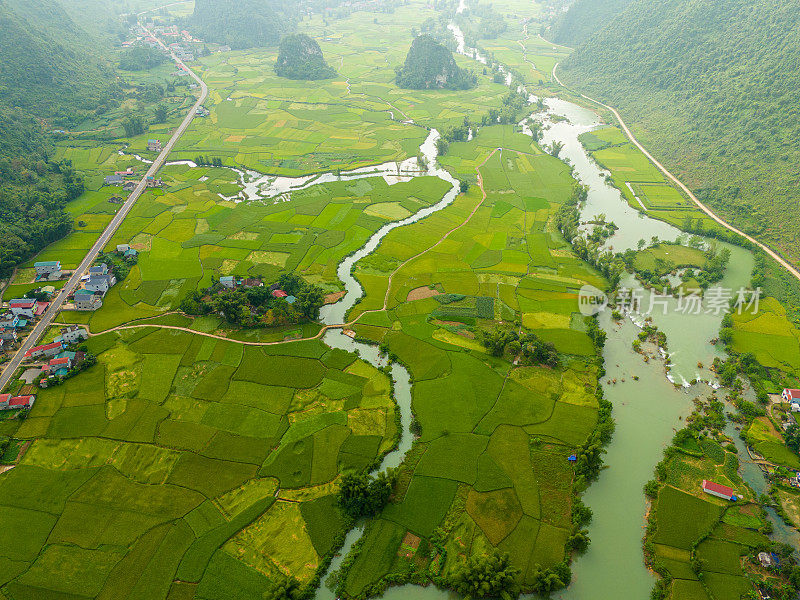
784	263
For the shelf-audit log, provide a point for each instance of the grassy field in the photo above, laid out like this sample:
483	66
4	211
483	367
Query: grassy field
178	451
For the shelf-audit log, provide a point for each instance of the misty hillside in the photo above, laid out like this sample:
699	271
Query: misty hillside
712	87
583	19
244	23
50	65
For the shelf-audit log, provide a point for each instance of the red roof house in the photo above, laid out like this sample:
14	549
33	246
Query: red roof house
41	307
22	402
718	490
46	350
4	400
279	294
60	362
22	303
790	395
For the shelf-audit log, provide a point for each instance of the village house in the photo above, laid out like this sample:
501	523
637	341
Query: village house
45	351
7	402
8	335
87	300
793	398
765	559
153	182
718	490
129	186
74	334
9	320
154	145
50	269
129	172
122	248
23	307
228	281
114	179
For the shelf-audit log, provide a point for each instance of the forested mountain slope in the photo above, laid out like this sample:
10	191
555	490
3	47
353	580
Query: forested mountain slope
244	23
713	89
583	19
51	74
50	66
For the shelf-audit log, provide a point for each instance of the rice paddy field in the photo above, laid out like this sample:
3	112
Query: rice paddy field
697	540
183	457
490	468
641	183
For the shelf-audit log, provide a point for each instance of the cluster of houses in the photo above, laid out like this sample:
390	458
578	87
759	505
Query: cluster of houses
56	359
93	288
793	398
231	282
17	315
183	53
127	179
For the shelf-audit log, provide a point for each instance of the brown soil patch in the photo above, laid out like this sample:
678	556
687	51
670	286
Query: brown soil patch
331	298
421	293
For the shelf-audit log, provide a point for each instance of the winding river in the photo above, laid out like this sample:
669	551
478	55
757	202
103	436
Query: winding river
647	411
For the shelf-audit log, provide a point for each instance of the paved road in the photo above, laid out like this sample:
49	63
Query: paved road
783	262
108	233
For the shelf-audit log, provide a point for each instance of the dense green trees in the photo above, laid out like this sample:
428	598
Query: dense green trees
362	495
583	19
485	576
711	88
300	57
244	23
429	65
141	58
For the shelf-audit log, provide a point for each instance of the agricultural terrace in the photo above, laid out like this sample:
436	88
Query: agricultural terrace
490	468
273	125
179	457
695	540
186	234
636	177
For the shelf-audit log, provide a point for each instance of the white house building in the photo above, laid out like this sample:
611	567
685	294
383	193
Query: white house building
50	269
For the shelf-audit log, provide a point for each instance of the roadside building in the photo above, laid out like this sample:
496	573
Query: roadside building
8	335
20	402
154	145
154	182
23	307
9	320
74	334
113	180
129	186
718	490
122	248
49	269
86	300
4	400
45	351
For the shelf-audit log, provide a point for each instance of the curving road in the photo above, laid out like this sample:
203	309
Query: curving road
783	262
58	302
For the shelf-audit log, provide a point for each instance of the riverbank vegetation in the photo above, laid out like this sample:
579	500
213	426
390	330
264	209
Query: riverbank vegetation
700	545
721	130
